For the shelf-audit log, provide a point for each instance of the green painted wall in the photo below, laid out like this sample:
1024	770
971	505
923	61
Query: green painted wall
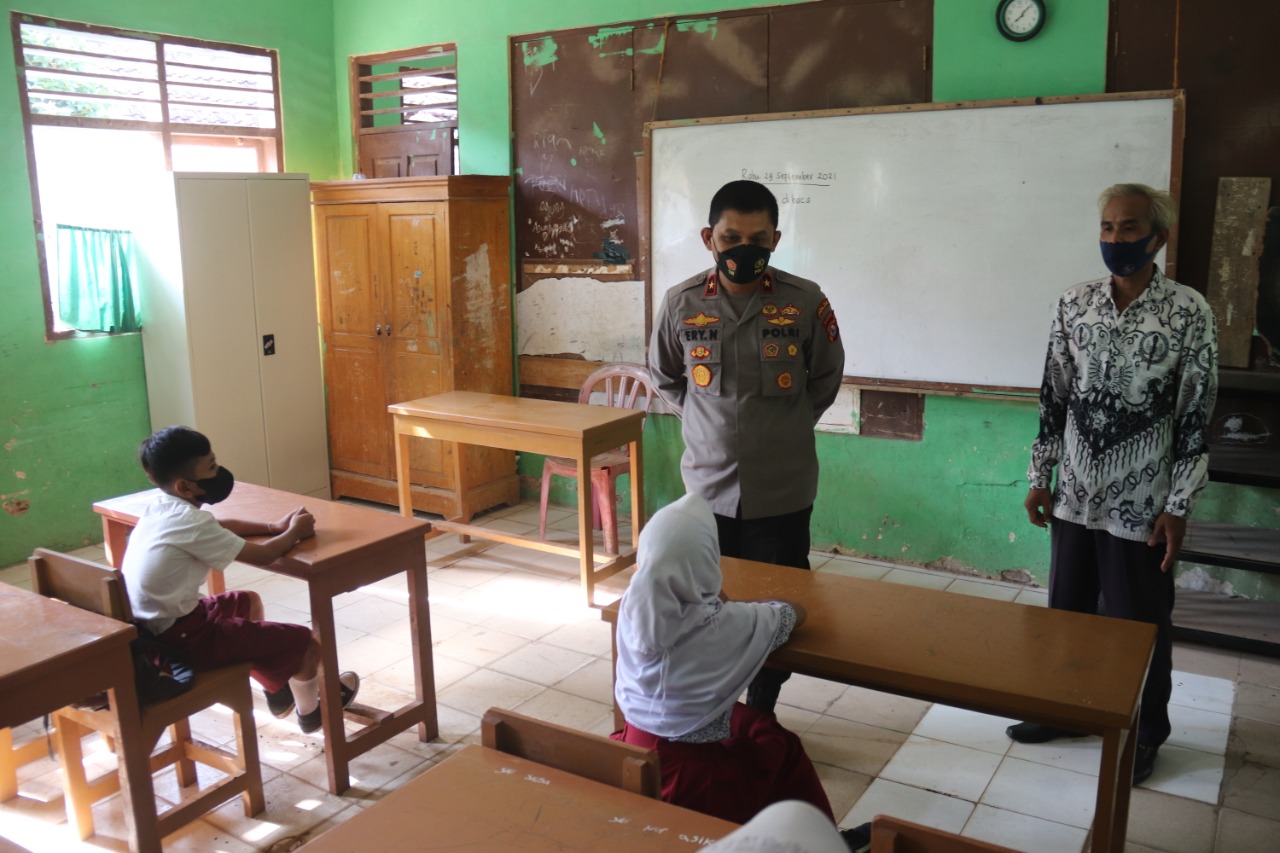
72	412
956	496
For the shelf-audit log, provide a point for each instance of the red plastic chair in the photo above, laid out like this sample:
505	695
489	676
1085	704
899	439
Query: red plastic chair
624	386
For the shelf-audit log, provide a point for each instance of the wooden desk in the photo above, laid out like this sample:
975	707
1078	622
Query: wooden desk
571	430
53	654
483	800
1075	671
353	546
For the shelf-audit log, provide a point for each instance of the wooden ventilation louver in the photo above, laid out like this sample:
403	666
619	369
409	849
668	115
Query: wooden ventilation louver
405	112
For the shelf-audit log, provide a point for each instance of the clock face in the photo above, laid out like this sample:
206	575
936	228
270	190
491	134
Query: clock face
1019	20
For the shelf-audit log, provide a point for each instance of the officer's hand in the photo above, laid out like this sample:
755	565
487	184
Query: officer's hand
1039	504
1169	529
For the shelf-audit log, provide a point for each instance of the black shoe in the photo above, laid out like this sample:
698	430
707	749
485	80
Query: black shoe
857	838
1144	761
350	686
1036	733
279	703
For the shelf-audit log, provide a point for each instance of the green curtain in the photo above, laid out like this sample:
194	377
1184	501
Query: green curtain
95	280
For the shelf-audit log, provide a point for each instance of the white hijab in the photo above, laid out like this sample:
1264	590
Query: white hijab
684	656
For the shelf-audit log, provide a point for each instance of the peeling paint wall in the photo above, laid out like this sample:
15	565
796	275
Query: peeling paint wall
953	499
598	320
73	412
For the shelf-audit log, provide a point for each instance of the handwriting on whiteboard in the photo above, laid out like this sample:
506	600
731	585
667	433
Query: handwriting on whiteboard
804	178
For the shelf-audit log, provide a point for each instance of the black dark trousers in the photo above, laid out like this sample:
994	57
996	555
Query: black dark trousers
779	539
1087	563
782	540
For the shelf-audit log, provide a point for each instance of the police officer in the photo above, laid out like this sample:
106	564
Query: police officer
750	357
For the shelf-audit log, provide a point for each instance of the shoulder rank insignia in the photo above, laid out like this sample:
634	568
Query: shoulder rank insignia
699	351
793	350
712	286
702	320
823	307
701	375
791	310
784	380
772	350
766	286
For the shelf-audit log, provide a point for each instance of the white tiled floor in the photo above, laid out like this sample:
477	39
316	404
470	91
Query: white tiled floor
509	628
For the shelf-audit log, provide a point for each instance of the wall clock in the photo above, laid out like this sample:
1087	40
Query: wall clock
1020	20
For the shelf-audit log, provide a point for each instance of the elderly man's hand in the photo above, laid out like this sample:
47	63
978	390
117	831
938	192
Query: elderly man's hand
1039	504
1169	529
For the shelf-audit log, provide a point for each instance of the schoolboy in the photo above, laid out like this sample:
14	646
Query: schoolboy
173	548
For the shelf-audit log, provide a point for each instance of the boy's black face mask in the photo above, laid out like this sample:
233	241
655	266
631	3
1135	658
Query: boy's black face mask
216	488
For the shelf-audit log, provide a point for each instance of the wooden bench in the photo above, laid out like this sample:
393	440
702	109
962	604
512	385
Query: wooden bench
1070	670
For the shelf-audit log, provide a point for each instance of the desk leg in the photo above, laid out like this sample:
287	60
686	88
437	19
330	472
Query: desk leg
618	720
637	492
335	733
586	534
402	473
115	535
1115	779
423	663
134	761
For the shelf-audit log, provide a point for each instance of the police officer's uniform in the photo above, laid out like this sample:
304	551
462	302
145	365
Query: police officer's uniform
750	390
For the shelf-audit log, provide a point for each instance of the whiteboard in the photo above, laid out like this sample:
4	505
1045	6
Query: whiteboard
942	233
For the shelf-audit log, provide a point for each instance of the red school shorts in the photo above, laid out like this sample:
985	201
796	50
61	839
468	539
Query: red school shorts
218	632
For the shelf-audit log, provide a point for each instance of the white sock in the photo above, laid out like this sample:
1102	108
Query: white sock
306	693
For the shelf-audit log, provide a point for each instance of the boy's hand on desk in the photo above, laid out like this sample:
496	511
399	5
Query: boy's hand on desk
301	523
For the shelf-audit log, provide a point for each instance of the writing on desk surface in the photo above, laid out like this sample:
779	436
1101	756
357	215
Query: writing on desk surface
700	840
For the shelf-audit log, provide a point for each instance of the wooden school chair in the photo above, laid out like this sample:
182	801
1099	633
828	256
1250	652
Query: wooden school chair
100	589
11	758
624	386
890	835
612	762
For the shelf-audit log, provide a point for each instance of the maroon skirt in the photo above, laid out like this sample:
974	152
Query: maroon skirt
759	764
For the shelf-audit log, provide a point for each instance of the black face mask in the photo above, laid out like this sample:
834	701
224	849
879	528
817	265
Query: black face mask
743	263
216	488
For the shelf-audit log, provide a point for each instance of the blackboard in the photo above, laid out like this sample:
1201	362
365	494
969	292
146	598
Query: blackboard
943	233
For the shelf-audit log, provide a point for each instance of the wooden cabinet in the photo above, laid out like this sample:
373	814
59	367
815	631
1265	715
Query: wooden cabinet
229	334
414	286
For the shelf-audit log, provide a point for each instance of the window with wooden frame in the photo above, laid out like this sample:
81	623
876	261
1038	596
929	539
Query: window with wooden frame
107	114
404	112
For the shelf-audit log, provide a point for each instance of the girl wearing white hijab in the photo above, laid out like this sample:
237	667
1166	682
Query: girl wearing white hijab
685	654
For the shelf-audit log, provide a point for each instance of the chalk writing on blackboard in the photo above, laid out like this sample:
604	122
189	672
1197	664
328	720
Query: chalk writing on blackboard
1241	428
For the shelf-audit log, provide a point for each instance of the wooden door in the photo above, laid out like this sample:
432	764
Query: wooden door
415	244
347	240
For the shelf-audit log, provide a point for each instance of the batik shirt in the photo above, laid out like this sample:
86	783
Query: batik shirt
1125	406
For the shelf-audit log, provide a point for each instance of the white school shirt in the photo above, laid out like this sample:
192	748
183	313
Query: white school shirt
170	551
